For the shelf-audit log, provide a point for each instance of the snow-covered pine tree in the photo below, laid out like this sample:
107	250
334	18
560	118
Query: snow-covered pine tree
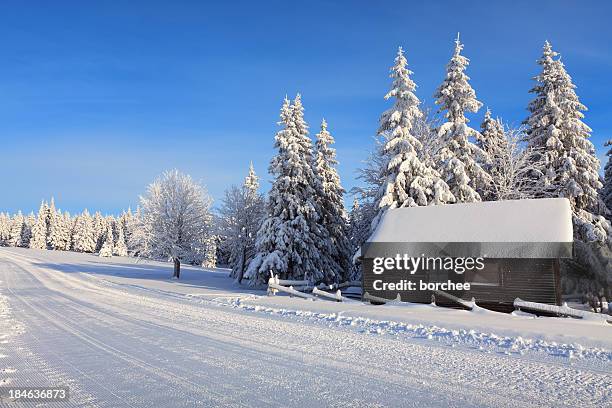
5	229
107	246
606	192
26	231
241	213
39	229
360	228
331	202
83	237
120	248
544	113
68	222
492	140
52	228
555	126
72	227
110	220
176	214
409	181
99	229
17	225
373	174
458	159
126	220
251	181
287	240
137	242
59	231
325	263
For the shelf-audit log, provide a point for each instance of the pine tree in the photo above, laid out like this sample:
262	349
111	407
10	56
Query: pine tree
555	126
83	237
39	230
17	225
99	229
359	231
325	267
126	219
493	141
110	222
409	182
331	202
241	211
59	231
52	228
606	192
287	239
545	114
5	229
68	222
137	242
26	231
107	246
120	248
72	224
459	158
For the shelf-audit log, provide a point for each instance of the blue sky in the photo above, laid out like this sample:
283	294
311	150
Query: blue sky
97	98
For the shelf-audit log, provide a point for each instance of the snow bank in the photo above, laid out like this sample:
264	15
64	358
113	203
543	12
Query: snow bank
486	342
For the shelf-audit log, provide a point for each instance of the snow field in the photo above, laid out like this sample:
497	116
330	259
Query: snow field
125	335
486	342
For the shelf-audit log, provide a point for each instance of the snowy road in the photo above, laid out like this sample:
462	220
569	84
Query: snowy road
119	345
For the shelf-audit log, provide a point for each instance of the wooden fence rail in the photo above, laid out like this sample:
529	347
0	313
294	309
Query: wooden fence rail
561	310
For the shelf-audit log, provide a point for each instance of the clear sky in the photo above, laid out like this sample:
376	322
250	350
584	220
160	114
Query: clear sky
97	98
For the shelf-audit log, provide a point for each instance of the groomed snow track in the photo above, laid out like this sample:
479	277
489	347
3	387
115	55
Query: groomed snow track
121	346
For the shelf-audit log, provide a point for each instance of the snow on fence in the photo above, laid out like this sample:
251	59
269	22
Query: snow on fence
301	285
377	299
469	305
273	288
332	296
561	310
276	285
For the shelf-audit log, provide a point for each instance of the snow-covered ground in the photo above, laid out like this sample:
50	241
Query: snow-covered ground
121	333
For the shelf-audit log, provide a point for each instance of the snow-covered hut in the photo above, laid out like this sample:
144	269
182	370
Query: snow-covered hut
520	242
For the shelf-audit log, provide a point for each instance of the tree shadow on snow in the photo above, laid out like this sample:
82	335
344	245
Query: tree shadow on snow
190	276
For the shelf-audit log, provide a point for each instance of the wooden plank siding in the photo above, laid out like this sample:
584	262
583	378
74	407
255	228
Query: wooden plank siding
534	280
529	279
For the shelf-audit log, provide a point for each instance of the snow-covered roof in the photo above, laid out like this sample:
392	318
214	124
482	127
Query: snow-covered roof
503	229
541	220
